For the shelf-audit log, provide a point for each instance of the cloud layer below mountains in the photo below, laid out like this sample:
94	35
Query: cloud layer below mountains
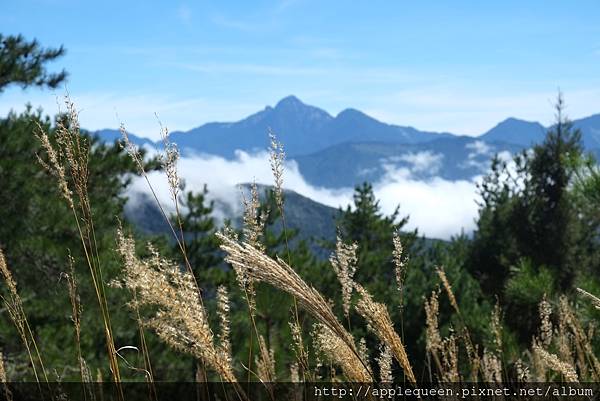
437	207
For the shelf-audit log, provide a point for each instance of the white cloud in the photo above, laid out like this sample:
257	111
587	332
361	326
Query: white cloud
423	162
505	156
479	157
439	208
478	148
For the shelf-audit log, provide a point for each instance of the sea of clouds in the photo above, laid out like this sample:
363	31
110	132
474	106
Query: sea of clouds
439	208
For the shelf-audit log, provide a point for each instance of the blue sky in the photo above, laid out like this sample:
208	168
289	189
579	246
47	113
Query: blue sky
458	66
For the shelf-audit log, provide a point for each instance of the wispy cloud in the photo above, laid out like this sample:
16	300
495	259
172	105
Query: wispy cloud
479	148
437	207
137	111
253	69
421	162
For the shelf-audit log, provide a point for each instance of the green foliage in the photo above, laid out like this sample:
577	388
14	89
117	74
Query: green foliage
197	222
551	236
23	62
494	247
527	285
538	226
366	225
38	242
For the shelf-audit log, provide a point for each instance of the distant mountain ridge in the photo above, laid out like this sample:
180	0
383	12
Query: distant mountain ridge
305	129
515	131
353	147
302	128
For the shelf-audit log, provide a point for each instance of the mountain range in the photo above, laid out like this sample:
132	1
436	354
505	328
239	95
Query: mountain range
343	150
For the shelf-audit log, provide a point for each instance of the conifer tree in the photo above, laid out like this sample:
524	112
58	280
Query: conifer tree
24	62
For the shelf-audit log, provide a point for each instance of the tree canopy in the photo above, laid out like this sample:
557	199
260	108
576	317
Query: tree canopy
24	63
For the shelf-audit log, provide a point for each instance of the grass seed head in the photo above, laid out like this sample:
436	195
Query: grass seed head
277	159
379	321
343	261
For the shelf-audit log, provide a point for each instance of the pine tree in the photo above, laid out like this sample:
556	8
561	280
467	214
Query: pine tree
373	231
197	221
551	237
23	63
532	237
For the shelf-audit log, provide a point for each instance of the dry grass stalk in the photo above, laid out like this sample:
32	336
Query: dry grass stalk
143	344
343	261
491	367
385	364
594	299
496	323
254	222
442	275
253	226
54	166
539	369
7	276
224	322
3	379
299	348
76	311
318	360
472	354
339	352
86	376
363	352
466	336
545	310
586	358
71	155
169	158
381	325
563	341
279	274
450	360
181	320
169	161
265	362
277	159
523	374
553	362
294	373
434	340
16	312
400	262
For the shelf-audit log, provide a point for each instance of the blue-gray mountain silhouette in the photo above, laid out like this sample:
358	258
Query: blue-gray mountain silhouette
353	147
302	128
